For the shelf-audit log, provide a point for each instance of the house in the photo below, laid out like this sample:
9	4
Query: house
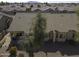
71	35
57	36
58	25
37	10
5	21
49	10
10	12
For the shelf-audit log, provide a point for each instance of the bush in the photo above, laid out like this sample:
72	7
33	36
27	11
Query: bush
13	52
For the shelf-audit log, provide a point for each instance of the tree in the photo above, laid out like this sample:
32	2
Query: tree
77	33
39	6
36	40
2	3
22	5
47	4
77	12
31	6
39	30
28	9
7	3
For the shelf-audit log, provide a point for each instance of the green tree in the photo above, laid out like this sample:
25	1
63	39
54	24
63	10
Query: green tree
39	6
31	6
22	5
77	33
77	12
28	9
2	3
7	3
39	30
36	40
47	4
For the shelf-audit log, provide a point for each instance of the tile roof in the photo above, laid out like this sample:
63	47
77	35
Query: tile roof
61	22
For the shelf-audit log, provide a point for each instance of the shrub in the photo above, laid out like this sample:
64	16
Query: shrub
13	52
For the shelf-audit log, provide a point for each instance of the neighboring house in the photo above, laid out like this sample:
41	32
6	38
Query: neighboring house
48	10
17	7
5	21
9	12
37	10
61	22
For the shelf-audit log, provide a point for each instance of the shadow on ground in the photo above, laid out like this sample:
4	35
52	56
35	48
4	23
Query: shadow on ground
63	47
